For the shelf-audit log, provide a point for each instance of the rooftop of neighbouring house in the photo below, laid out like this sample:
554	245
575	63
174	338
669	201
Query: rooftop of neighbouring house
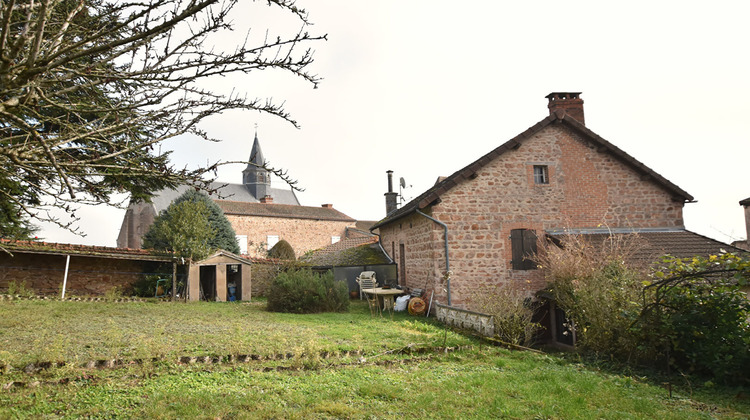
325	212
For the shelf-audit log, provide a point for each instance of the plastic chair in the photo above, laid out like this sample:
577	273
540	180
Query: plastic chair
366	280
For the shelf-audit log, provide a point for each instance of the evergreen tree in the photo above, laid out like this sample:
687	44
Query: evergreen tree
183	221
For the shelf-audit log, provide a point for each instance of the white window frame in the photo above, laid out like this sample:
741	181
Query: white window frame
271	240
242	242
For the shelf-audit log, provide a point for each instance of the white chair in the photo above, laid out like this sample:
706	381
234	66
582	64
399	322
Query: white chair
366	280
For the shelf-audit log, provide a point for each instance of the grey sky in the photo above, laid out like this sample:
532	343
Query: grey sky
425	87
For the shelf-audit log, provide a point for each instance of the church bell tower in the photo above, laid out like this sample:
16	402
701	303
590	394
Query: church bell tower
255	177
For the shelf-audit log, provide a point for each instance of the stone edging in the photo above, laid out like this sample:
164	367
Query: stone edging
229	359
70	299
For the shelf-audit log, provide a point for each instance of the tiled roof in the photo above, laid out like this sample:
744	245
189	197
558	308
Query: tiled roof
431	195
224	191
52	248
745	202
677	243
348	253
282	210
365	224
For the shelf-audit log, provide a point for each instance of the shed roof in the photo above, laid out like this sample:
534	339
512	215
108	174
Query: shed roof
223	254
430	196
348	253
282	210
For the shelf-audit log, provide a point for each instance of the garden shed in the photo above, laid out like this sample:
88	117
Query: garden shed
221	277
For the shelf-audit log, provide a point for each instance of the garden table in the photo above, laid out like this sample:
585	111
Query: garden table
387	295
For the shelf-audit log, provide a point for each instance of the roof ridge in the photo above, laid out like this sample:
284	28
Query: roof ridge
433	193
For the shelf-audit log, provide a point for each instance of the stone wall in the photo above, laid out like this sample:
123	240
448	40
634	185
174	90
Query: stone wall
302	234
460	318
587	189
138	219
43	274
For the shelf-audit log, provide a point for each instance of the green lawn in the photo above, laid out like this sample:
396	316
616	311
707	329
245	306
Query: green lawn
308	366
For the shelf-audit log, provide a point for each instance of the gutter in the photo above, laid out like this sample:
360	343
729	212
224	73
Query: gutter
447	261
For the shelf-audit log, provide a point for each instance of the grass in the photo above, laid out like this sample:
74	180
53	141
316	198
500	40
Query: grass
481	381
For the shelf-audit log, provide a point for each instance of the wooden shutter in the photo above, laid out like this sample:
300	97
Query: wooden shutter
523	245
529	249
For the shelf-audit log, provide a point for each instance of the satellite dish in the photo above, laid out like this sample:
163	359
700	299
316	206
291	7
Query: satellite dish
402	182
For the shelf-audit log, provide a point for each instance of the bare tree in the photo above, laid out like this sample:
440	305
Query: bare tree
90	88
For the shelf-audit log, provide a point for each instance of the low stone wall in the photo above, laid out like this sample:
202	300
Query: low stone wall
461	318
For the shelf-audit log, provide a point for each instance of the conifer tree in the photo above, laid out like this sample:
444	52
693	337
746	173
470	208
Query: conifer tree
192	226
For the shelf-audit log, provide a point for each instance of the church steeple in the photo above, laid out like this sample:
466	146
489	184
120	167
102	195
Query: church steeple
255	177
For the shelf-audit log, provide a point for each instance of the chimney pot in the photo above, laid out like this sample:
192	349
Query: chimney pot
391	200
569	103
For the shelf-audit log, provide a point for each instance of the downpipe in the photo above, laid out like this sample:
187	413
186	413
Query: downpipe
447	261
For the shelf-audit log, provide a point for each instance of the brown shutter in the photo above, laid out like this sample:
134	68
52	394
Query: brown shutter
523	248
516	243
529	249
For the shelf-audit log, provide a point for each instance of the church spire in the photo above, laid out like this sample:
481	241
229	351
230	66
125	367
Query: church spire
255	177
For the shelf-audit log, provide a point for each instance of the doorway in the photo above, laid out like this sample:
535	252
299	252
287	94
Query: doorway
208	283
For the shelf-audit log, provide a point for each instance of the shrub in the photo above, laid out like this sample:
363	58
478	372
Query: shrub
282	251
302	291
697	311
598	291
146	286
513	312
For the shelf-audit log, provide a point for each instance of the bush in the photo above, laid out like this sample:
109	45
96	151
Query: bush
597	290
512	311
146	286
698	312
282	251
302	291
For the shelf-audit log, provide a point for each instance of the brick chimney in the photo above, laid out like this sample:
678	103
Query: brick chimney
267	199
391	198
567	102
327	206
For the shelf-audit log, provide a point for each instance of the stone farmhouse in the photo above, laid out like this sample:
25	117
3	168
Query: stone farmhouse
260	215
557	177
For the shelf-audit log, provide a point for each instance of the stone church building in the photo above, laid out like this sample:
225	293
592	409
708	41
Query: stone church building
260	214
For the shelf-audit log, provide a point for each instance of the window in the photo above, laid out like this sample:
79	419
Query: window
242	242
523	248
335	239
271	240
541	174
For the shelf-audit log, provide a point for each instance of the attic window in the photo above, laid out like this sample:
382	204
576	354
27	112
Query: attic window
541	174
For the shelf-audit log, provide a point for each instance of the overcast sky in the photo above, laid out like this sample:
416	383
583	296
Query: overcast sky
424	88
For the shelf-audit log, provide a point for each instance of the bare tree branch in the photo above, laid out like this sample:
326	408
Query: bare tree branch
89	89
